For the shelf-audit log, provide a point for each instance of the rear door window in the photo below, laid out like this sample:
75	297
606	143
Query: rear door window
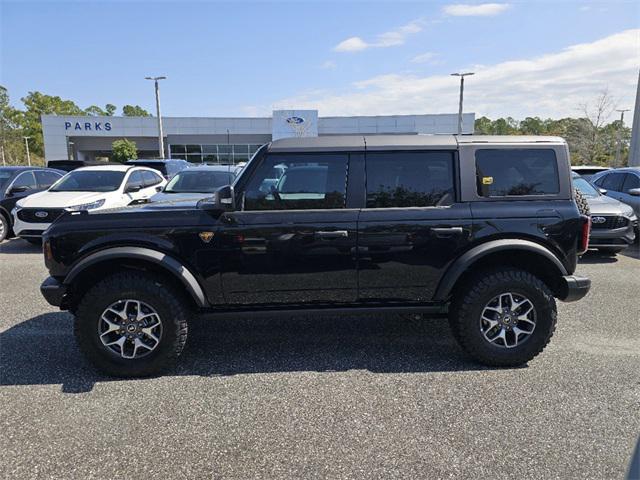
409	179
631	181
613	182
516	172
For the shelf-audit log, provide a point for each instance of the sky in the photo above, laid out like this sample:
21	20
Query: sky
530	58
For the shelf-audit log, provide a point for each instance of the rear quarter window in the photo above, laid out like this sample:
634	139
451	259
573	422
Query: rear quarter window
516	172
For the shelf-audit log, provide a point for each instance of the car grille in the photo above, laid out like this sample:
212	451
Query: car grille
29	214
609	222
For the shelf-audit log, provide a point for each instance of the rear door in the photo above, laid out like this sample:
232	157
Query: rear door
293	239
413	225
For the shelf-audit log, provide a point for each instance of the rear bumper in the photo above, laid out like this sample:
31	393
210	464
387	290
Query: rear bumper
574	288
53	291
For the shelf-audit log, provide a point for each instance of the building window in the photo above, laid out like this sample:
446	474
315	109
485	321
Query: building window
214	153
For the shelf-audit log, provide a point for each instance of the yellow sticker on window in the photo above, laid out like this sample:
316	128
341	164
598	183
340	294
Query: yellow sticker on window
487	180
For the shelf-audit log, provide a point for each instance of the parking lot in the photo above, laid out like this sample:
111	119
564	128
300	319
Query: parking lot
360	397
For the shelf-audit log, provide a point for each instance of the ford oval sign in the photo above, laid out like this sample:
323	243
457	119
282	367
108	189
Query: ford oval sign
294	120
598	220
42	214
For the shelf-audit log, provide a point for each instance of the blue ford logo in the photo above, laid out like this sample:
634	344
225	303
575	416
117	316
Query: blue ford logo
42	214
295	120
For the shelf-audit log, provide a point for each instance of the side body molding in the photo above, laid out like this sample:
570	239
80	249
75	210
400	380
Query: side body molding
163	260
469	258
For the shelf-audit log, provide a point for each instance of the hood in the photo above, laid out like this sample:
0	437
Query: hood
49	199
183	198
604	205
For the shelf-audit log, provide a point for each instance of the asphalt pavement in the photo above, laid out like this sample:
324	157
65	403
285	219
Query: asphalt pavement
337	397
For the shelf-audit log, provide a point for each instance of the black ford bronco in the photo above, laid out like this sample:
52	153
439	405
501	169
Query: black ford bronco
486	230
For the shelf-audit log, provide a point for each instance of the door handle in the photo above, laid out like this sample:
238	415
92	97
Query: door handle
444	232
333	234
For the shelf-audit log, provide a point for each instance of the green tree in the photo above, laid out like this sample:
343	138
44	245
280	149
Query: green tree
94	111
38	104
11	131
110	109
134	111
123	150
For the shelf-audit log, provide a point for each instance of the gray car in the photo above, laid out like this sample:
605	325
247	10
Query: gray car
623	184
196	183
613	223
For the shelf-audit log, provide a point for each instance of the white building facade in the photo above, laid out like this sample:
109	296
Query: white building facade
224	139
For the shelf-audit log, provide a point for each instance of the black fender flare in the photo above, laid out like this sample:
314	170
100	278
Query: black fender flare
467	259
165	261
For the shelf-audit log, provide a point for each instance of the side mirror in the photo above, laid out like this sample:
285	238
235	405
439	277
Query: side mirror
634	191
603	191
132	188
220	202
14	190
158	189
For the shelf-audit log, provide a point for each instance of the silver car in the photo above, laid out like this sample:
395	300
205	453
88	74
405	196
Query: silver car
613	223
623	184
196	183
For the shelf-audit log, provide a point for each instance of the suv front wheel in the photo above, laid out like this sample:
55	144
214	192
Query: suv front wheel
131	324
503	317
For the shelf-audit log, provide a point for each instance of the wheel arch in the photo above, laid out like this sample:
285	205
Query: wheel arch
524	254
111	260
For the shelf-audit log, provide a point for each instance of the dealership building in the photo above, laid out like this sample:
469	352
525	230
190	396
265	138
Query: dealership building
219	139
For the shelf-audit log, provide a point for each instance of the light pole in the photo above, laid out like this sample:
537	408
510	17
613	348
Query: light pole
461	75
619	142
160	137
26	144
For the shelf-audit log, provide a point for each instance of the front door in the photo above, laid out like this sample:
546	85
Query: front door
412	226
293	239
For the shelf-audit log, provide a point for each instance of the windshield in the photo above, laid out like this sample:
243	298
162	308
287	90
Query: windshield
89	181
585	188
198	181
5	175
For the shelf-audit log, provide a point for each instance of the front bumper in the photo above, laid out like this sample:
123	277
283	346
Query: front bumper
615	237
27	229
574	288
54	292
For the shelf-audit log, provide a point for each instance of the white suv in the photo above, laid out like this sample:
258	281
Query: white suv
88	188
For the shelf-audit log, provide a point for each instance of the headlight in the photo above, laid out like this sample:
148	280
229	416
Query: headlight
628	213
86	206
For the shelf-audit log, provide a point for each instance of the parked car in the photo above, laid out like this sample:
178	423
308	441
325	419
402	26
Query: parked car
196	183
484	229
168	167
623	184
588	171
613	223
17	183
88	188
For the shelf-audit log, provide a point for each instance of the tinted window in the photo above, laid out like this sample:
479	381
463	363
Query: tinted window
90	181
631	181
46	178
409	179
135	179
304	181
198	181
150	178
612	181
25	179
527	171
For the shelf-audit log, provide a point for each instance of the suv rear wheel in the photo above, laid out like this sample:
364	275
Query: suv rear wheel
131	324
503	317
4	227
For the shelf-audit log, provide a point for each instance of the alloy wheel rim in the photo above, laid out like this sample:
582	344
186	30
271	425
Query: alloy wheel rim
508	320
130	328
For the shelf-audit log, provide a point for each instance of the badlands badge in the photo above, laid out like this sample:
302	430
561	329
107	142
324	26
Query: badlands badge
206	236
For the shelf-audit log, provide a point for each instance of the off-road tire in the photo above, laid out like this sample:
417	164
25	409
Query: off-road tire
4	227
168	301
470	299
581	201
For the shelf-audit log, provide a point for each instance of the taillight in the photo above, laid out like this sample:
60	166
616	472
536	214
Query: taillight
584	237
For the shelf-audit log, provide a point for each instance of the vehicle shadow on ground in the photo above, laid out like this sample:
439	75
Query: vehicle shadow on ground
19	246
42	350
594	256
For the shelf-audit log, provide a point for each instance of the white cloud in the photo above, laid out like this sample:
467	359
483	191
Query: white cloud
427	57
550	85
387	39
478	10
329	65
